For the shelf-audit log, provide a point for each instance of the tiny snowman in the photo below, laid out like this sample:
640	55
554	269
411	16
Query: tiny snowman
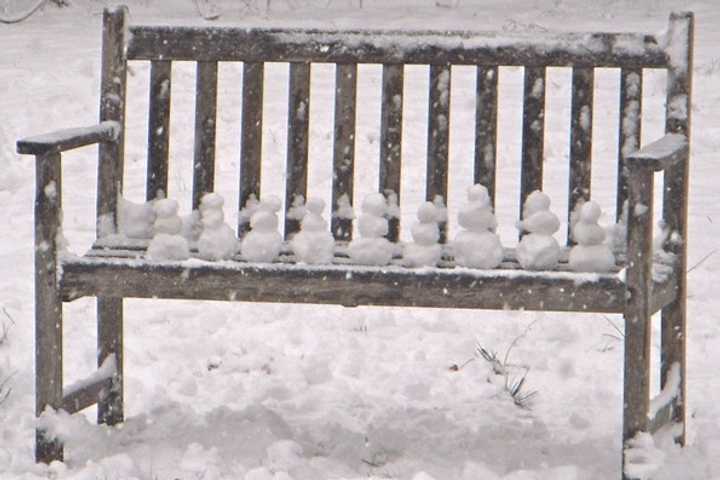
136	219
590	254
217	240
313	243
538	249
167	219
372	248
262	243
477	246
167	244
425	249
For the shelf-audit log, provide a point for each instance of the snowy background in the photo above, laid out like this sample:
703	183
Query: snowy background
307	392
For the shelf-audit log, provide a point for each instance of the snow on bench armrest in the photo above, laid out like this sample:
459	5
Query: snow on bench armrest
662	153
67	139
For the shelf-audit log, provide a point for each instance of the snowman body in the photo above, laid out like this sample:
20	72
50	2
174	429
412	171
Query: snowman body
217	240
263	242
424	250
477	245
591	253
538	249
372	248
314	243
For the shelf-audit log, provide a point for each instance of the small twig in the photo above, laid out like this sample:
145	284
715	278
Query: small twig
621	334
702	260
517	339
5	392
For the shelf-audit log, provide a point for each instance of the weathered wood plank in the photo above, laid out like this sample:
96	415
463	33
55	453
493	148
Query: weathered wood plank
83	398
113	81
297	146
486	128
344	148
205	120
668	151
68	139
394	46
638	307
675	208
346	285
158	129
531	155
110	409
391	139
580	140
48	303
251	142
630	123
438	137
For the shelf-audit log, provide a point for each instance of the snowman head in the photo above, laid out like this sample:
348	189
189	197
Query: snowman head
315	205
211	201
271	204
374	204
264	221
427	213
478	194
536	202
166	207
590	212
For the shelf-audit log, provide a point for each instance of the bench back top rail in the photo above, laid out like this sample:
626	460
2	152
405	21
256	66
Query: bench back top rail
583	52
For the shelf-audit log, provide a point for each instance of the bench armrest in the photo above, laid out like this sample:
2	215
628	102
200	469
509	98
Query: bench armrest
69	138
662	153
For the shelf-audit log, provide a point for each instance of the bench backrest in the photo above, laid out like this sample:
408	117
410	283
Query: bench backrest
161	45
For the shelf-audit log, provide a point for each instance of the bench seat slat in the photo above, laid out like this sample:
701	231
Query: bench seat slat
438	137
630	124
344	148
297	143
387	46
533	133
486	128
205	120
580	140
158	129
344	285
251	136
391	138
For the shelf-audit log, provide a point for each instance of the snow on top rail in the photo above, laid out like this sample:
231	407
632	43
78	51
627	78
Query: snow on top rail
395	46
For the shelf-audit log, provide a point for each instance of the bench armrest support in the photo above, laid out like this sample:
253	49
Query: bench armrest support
70	138
662	153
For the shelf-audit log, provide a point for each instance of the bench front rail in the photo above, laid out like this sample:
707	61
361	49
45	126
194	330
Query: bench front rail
113	270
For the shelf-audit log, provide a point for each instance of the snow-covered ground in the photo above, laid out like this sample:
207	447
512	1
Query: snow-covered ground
307	392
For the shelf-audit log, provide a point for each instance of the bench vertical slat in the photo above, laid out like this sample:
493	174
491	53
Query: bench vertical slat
344	151
580	141
205	119
48	304
630	124
112	108
675	211
158	129
531	176
486	128
110	176
438	137
297	145
391	138
251	136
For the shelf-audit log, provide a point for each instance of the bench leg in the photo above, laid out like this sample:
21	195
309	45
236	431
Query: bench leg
674	333
110	342
48	369
638	312
48	302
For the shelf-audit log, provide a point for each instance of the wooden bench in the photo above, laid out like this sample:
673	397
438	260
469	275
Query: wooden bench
112	272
